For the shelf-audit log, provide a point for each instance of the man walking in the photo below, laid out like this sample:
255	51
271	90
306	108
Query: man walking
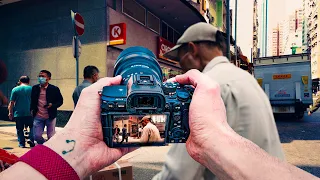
249	113
124	134
150	132
19	110
90	75
45	100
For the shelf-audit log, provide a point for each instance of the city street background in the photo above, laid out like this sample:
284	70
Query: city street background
300	141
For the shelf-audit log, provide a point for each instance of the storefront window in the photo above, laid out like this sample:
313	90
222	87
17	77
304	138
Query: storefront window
153	22
169	73
164	32
134	10
176	36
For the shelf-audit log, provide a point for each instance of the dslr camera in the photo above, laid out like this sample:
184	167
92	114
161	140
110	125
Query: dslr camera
142	110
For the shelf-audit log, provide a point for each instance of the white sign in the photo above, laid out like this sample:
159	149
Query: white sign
116	31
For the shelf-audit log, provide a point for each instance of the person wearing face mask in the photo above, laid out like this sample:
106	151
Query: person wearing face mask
249	113
90	75
45	100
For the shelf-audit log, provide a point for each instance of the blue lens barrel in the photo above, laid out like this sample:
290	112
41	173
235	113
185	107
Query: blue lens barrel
137	60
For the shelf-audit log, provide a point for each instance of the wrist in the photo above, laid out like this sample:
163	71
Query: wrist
68	146
217	151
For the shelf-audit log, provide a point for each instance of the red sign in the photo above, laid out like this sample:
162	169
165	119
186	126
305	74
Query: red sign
163	47
79	24
118	34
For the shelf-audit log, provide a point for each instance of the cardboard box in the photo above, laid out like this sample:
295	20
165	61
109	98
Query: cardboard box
112	172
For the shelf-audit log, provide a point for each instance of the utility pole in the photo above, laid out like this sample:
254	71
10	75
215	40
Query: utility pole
266	35
228	29
235	30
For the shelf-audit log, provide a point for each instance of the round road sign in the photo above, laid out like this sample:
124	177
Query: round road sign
79	24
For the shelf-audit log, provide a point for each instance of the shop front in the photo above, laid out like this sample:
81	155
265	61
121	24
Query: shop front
156	26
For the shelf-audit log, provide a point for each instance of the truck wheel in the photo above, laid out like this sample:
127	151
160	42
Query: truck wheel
300	115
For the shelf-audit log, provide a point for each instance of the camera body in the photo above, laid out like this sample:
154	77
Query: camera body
142	93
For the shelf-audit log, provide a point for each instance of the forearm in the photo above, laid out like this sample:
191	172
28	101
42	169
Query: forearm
10	108
66	144
238	158
21	171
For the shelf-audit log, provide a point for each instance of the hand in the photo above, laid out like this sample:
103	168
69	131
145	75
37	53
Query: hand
10	115
309	113
84	129
207	114
49	105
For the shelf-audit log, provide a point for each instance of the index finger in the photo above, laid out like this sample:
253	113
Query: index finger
192	77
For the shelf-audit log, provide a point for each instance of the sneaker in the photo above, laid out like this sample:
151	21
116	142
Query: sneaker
22	146
31	143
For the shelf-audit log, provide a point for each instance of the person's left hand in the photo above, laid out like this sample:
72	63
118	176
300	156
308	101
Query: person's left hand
84	133
49	105
309	113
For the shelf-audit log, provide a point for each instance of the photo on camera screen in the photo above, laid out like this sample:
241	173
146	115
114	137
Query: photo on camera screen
139	129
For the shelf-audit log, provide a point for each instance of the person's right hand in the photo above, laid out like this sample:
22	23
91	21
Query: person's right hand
10	116
207	113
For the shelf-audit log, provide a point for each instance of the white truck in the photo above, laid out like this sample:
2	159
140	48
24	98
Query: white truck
287	82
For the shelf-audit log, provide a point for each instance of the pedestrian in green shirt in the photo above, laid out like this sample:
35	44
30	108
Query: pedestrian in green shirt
19	110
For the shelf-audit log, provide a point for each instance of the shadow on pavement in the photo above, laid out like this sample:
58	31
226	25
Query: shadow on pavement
7	125
146	170
311	169
7	148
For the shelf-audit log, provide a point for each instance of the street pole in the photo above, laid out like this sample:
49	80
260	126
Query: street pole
266	35
235	30
77	59
228	29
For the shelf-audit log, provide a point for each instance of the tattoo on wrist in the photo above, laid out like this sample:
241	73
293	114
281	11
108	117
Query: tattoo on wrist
74	144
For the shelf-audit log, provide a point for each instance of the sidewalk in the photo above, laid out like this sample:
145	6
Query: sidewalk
9	141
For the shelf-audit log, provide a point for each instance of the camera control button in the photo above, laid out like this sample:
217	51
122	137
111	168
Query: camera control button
183	96
110	105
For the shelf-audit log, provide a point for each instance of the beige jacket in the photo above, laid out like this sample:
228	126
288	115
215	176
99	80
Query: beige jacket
249	113
150	133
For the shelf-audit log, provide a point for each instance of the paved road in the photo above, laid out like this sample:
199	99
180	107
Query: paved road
300	141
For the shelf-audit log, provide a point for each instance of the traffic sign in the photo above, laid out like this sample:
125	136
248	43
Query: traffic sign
76	45
79	24
117	34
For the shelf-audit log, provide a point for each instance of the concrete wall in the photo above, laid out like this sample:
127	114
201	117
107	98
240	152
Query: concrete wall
37	35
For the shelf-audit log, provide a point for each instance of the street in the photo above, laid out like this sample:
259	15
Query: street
300	142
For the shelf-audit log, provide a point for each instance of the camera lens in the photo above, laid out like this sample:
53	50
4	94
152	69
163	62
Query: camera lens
137	60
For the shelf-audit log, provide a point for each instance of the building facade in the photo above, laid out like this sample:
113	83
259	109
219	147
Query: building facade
255	41
313	38
40	37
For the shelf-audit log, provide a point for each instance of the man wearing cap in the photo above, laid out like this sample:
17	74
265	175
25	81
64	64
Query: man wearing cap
150	132
249	113
19	110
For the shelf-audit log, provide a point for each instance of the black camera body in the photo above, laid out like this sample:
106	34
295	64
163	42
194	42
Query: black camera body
142	94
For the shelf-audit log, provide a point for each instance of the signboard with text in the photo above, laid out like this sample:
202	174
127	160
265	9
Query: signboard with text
118	34
281	76
163	47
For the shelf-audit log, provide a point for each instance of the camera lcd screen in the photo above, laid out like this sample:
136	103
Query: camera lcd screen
145	101
139	129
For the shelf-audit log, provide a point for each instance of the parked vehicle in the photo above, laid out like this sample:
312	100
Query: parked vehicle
287	82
